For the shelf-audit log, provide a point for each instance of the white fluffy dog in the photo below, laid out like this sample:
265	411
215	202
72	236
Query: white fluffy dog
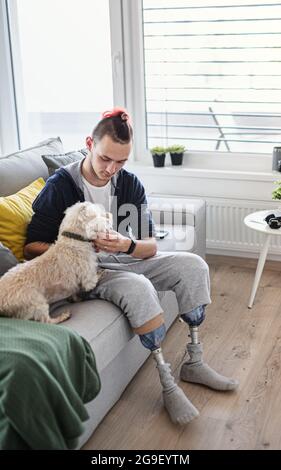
67	267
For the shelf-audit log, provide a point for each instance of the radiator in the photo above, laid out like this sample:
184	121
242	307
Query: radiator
227	233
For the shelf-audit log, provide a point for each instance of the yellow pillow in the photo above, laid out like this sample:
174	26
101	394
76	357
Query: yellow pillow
15	215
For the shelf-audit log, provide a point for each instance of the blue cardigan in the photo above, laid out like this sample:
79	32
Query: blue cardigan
64	188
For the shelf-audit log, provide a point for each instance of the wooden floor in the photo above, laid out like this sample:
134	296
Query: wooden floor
238	342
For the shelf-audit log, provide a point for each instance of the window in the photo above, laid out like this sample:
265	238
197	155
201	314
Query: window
63	72
213	74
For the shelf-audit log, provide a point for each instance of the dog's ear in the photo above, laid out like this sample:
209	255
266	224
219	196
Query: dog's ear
82	213
91	210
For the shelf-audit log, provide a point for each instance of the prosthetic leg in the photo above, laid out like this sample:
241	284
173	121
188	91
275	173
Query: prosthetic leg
196	371
179	408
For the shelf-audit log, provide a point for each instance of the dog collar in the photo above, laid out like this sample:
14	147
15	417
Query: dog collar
76	236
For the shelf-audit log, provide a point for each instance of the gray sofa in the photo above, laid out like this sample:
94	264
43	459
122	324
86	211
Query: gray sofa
118	351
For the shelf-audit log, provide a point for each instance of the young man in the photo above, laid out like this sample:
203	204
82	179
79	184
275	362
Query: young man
134	272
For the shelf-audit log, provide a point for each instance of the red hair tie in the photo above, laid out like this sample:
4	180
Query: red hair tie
122	112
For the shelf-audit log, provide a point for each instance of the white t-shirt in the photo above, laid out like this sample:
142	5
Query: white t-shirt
98	194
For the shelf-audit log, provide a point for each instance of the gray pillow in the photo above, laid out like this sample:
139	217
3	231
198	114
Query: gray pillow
54	162
7	259
19	169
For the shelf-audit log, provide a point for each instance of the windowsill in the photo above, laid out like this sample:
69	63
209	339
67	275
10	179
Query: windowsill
208	173
211	165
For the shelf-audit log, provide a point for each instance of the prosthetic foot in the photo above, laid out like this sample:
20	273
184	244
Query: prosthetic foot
195	370
179	408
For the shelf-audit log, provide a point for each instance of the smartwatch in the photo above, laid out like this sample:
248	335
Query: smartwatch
131	247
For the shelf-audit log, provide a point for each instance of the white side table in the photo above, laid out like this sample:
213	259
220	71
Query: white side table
256	222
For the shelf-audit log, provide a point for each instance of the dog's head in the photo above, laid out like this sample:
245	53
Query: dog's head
86	219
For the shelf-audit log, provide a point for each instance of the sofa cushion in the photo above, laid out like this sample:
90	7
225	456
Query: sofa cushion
19	169
7	259
102	324
15	215
105	327
54	162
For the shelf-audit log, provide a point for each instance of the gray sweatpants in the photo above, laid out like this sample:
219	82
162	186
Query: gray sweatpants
132	284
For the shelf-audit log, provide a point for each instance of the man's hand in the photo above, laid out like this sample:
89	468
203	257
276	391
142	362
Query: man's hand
111	242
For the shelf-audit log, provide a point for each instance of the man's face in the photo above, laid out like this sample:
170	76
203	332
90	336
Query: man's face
107	156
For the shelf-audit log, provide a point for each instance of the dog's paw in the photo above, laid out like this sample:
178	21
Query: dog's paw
90	285
75	298
61	317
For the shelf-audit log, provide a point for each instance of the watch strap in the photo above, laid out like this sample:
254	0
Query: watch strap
131	247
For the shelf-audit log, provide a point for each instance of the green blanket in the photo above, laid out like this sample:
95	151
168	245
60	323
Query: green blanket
47	373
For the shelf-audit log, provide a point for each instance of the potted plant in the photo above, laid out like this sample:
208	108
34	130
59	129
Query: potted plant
176	152
276	194
158	155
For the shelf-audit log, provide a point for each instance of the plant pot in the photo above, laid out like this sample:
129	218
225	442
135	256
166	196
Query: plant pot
176	158
159	159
